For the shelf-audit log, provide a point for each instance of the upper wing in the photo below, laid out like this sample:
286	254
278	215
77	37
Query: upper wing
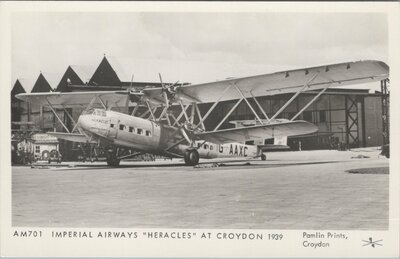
281	82
71	137
74	99
289	128
261	85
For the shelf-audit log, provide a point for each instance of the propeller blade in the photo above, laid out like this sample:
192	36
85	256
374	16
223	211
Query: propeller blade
166	99
162	84
127	104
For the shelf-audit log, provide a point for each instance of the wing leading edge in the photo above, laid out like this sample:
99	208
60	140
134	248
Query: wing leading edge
75	99
342	74
290	128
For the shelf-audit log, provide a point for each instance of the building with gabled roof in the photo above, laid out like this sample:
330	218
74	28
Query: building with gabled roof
41	85
75	75
17	89
17	106
121	73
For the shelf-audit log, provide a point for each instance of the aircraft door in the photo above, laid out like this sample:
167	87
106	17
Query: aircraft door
113	130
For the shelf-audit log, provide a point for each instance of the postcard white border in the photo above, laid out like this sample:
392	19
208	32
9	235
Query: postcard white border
290	247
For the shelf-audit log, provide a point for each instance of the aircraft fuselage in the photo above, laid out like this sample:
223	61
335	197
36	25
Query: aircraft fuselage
140	134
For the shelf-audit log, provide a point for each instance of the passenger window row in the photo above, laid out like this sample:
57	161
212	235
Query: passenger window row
132	130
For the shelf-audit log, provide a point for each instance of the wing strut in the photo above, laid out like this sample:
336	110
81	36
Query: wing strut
294	97
69	116
175	120
135	110
55	114
310	102
184	110
229	113
259	106
102	103
251	107
192	113
150	109
212	107
199	115
180	116
72	119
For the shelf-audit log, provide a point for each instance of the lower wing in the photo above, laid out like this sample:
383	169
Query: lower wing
289	128
73	137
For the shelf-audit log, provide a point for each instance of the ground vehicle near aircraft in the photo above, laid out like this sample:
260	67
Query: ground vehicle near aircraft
126	135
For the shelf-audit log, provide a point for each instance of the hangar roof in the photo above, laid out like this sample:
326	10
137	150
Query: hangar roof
84	72
17	89
41	85
52	78
27	83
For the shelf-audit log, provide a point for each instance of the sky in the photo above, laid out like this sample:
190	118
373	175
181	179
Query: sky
227	44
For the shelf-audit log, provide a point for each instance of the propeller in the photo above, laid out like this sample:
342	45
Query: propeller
164	91
169	91
129	96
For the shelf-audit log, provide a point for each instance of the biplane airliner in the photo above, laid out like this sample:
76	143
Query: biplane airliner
126	134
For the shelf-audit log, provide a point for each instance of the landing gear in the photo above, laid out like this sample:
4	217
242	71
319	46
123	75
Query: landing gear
263	157
191	157
112	159
113	162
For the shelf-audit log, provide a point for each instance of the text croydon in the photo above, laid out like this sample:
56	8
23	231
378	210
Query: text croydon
240	236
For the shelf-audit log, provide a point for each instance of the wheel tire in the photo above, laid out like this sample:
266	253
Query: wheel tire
263	157
191	157
186	157
114	162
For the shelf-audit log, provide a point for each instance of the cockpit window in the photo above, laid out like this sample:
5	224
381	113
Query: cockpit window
101	113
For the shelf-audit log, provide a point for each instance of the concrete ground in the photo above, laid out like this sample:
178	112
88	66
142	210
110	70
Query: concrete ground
291	190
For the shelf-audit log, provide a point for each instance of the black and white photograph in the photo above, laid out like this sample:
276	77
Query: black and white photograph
243	126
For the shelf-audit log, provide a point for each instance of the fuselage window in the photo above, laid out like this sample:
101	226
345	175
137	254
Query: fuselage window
121	127
139	131
131	129
205	146
198	145
148	133
111	125
103	113
211	147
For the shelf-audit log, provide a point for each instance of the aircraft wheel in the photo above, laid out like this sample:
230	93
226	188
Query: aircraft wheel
191	157
113	162
263	157
186	157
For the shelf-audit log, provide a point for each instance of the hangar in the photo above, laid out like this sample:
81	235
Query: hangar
347	118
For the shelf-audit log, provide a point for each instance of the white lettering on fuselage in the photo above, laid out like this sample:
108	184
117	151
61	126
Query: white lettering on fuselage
211	150
99	120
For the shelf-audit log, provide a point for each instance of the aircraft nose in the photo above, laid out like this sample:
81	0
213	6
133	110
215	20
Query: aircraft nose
84	122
